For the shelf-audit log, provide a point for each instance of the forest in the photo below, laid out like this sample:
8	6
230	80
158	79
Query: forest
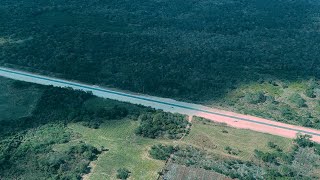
37	143
197	51
192	50
256	57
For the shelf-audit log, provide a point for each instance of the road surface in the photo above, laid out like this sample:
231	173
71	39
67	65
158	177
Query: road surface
169	105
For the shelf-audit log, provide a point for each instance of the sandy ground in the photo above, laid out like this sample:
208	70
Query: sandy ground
232	119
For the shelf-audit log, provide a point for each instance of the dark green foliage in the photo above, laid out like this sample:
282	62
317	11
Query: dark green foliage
297	100
196	50
232	151
161	124
21	84
304	141
67	105
310	93
161	152
34	152
266	157
255	98
274	146
123	173
27	146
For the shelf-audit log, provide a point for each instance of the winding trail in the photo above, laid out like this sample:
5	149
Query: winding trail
169	105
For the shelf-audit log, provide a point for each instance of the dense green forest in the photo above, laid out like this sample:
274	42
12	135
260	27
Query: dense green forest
198	51
195	50
258	57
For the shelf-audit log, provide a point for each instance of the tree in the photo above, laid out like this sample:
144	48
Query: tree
123	173
297	100
255	98
310	93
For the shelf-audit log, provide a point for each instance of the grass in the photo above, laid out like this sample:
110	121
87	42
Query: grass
277	103
126	150
16	103
210	136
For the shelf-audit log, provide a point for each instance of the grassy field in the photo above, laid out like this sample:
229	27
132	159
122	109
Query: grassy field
216	137
126	150
16	103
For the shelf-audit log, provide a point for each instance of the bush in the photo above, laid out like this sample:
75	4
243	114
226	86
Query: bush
232	151
310	93
161	124
297	100
161	152
255	98
123	173
304	141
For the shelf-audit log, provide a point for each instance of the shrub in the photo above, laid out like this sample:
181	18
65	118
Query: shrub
255	98
123	173
161	152
161	124
232	151
304	141
310	93
297	100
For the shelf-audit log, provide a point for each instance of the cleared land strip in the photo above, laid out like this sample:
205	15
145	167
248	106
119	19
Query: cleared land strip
170	105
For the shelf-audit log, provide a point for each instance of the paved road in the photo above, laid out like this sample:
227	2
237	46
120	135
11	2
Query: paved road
170	105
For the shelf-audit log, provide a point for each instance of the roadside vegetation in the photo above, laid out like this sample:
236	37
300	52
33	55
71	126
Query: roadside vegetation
269	157
177	49
161	124
295	103
67	134
62	132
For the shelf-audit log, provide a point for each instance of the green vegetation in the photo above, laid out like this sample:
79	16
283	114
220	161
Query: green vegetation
176	171
297	100
300	161
211	137
123	173
72	135
17	100
32	155
66	130
293	102
161	152
125	150
194	157
161	124
195	50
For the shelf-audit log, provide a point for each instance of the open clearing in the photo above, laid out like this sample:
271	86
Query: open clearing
126	150
215	137
131	151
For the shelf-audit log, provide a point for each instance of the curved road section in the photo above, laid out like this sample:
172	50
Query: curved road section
169	105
